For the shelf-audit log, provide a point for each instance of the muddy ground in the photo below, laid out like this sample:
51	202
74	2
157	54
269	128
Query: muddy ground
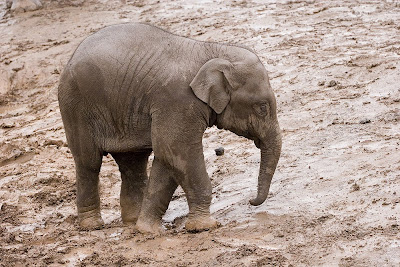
334	201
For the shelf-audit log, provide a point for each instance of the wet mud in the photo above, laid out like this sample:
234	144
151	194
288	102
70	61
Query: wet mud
334	201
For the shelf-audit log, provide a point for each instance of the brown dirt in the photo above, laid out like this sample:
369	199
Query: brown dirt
334	201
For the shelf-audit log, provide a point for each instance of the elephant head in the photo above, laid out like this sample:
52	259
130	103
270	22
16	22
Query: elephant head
240	93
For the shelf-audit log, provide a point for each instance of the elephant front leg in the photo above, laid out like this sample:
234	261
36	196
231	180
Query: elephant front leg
159	192
180	160
198	190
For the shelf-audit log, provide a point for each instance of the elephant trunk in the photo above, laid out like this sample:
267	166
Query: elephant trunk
270	153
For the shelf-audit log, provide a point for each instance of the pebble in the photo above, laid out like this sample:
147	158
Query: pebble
365	121
332	83
219	151
355	187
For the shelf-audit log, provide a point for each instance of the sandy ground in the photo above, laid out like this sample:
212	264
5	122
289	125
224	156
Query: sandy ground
334	201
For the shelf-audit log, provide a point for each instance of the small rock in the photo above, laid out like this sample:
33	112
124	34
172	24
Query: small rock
332	83
365	121
58	143
7	125
61	42
355	187
219	151
23	6
280	235
321	83
16	69
373	65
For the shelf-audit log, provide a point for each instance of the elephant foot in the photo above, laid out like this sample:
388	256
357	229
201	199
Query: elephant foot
201	224
90	220
129	217
129	214
149	227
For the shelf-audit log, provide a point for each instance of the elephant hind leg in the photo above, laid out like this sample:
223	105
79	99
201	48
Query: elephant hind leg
133	168
88	161
88	199
88	158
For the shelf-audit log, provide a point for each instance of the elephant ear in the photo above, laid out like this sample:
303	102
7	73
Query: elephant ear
213	82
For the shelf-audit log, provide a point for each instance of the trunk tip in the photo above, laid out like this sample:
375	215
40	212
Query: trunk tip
256	201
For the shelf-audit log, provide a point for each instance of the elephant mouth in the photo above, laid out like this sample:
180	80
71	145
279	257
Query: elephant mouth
257	142
250	136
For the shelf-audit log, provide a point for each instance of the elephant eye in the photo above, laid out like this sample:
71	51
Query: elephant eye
262	109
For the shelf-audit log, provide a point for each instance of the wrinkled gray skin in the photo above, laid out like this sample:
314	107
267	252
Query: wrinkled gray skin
132	89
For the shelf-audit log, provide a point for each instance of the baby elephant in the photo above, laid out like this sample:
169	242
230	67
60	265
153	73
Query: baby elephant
131	89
